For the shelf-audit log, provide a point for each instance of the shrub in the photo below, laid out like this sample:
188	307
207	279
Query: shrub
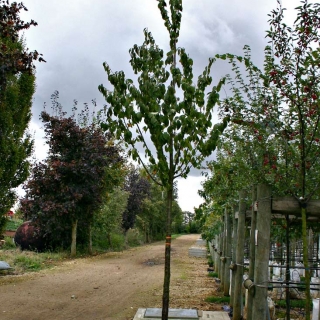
134	238
9	244
29	262
117	242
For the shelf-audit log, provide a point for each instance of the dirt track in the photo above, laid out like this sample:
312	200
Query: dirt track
110	286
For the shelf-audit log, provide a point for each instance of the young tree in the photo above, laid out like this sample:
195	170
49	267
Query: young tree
108	219
170	114
69	186
17	85
293	68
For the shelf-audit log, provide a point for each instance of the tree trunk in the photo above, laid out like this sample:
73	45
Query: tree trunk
169	189
262	238
239	258
220	255
109	239
288	267
234	251
126	239
226	287
223	256
90	239
252	250
166	282
305	259
216	255
74	238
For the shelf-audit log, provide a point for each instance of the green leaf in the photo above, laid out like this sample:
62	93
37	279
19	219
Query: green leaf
128	136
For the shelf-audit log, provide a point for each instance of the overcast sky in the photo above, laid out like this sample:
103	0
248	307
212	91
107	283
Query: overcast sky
77	36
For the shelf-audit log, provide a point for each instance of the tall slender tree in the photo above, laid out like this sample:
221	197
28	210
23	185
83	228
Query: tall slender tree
293	68
171	116
17	85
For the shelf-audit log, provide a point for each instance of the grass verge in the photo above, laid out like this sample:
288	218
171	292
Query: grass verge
213	274
28	261
223	300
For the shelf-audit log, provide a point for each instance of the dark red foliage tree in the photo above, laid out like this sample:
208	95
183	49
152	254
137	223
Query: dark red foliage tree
69	186
139	188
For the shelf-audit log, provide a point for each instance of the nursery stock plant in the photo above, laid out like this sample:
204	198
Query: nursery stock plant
282	114
164	113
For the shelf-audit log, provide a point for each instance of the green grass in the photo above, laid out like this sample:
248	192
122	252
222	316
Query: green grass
293	303
218	299
176	235
184	275
9	243
27	261
213	274
210	261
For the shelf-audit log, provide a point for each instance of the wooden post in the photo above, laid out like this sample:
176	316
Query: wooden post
217	257
262	244
252	251
226	287
287	268
234	250
239	257
223	256
211	244
220	255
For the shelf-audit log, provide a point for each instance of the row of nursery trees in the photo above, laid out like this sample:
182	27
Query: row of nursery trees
274	136
271	115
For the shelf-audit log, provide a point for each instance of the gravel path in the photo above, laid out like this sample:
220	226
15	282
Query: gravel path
109	286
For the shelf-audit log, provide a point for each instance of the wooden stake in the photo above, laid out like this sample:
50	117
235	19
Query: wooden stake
252	250
226	287
259	307
239	258
234	250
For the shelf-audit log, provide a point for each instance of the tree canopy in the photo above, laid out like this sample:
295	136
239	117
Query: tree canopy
17	86
275	113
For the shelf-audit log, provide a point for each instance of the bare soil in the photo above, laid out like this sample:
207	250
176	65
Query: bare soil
109	286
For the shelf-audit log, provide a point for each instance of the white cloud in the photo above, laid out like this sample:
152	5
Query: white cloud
188	197
40	147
